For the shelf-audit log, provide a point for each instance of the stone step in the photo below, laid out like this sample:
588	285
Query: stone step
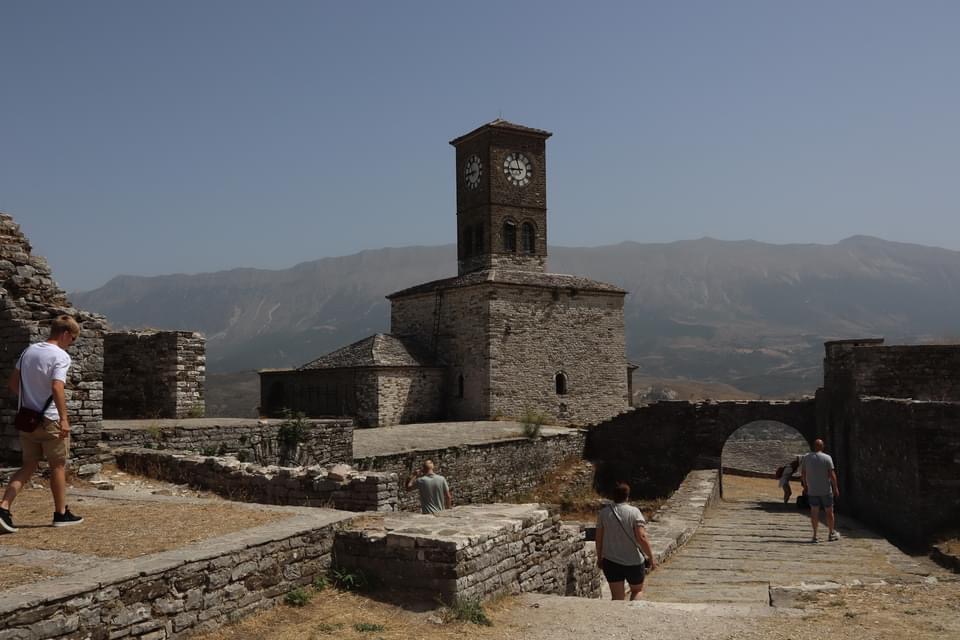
739	593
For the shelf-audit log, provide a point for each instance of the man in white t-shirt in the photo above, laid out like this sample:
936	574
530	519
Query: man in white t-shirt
38	380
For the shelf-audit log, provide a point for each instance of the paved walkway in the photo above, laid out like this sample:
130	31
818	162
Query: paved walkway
746	546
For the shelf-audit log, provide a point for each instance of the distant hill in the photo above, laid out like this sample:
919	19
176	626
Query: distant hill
745	313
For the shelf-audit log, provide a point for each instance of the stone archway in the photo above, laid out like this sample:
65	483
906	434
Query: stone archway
758	448
655	447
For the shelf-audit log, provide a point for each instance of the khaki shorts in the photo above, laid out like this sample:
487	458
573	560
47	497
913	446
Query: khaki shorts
45	442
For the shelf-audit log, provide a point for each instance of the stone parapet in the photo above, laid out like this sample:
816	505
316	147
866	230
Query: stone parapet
247	482
474	551
681	515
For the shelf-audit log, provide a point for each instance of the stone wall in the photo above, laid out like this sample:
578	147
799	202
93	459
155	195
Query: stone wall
315	486
177	593
321	441
154	374
29	300
920	372
461	342
536	333
907	454
474	552
409	395
657	445
760	457
487	472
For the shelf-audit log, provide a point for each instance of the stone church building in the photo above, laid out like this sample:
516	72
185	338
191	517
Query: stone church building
502	338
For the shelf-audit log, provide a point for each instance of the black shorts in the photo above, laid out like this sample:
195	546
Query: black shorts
632	573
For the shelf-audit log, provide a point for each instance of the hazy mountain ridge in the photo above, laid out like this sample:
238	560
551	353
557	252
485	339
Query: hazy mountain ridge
747	313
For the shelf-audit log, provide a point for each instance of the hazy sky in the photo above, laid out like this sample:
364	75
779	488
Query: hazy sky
187	136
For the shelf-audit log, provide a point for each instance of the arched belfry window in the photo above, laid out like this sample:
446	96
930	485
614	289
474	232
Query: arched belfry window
510	236
560	380
478	240
468	242
528	239
460	386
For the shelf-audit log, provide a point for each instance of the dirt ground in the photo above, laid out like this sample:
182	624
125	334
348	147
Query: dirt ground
918	612
126	528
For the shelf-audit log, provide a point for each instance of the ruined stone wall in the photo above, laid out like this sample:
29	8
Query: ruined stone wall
409	395
488	472
536	333
29	300
907	454
154	374
461	343
248	482
322	442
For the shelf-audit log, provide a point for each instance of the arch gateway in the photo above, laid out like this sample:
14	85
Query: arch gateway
889	415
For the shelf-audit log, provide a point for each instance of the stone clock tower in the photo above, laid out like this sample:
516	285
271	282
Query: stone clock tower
501	339
501	198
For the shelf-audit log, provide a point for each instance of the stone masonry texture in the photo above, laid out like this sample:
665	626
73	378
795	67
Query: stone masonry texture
489	472
155	374
475	552
177	593
29	300
509	342
309	486
318	441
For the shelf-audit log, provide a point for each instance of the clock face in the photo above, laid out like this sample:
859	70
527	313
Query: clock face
516	167
472	170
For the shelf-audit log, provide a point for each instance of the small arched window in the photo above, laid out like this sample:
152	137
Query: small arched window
460	386
510	236
528	239
560	380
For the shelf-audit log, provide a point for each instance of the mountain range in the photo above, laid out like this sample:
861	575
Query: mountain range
745	313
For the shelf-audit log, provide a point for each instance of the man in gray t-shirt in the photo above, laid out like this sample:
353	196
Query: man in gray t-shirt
435	493
820	480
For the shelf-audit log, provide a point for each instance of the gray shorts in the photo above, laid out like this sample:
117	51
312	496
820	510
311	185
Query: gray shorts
821	501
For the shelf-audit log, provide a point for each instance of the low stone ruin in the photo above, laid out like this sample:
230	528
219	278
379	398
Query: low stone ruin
312	486
474	551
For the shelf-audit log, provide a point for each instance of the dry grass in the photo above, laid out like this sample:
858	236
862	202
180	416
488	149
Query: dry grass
570	487
739	488
334	614
14	575
116	529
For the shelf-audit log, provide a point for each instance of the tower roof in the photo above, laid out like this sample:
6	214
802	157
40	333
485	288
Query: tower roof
378	350
512	277
502	125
